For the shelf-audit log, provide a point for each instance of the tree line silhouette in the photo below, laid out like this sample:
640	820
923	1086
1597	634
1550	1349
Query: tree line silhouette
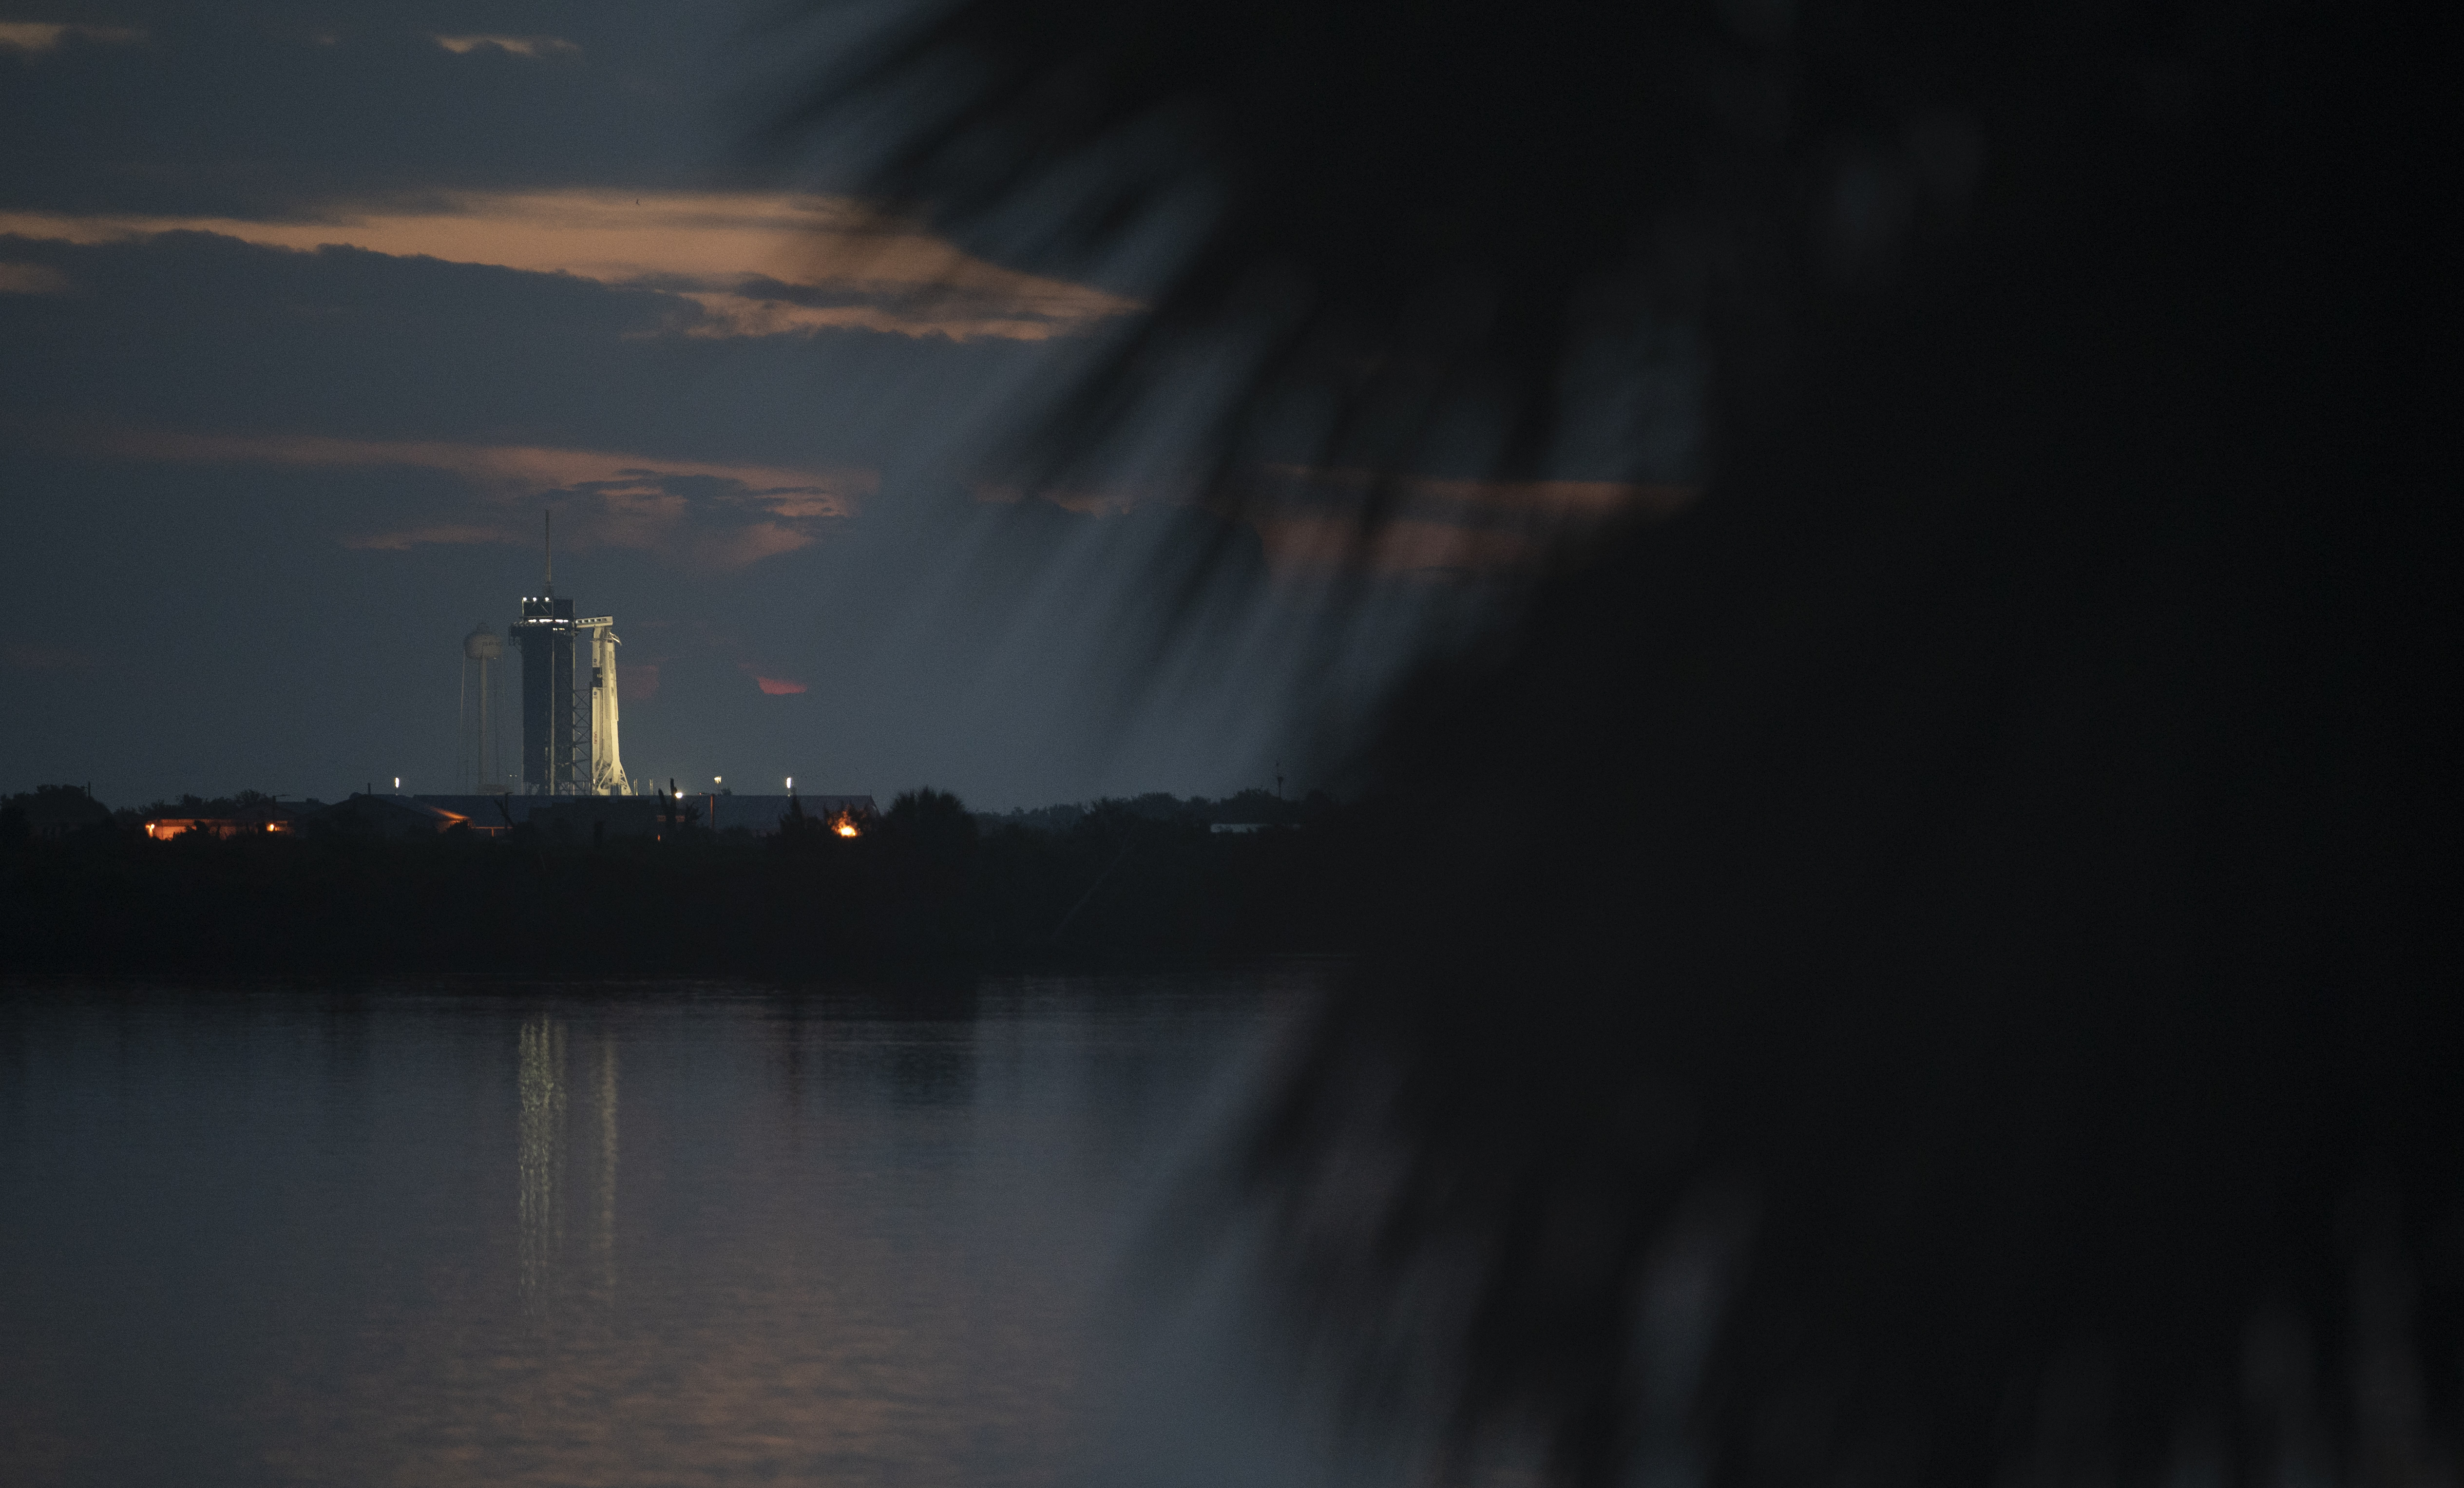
927	884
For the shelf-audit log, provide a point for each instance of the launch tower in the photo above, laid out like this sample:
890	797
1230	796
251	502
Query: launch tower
569	741
551	725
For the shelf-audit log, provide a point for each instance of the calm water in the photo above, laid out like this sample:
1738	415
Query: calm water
676	1236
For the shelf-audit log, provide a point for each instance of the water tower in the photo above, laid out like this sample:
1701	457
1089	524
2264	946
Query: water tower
478	765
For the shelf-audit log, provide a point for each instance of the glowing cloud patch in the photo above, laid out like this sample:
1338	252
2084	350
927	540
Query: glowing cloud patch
742	264
777	687
1445	528
1575	499
29	37
31	279
515	46
514	470
710	516
1435	548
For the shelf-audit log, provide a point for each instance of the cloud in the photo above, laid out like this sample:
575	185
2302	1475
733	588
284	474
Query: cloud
448	534
1406	546
777	687
738	314
1573	500
714	517
1112	500
1450	528
31	279
511	468
516	46
31	37
1307	517
1440	526
748	264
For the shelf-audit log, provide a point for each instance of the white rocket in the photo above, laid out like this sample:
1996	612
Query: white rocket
606	762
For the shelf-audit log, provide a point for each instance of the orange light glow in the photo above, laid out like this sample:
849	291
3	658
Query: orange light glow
169	828
846	828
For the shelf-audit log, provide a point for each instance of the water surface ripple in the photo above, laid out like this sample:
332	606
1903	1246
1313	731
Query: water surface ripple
673	1234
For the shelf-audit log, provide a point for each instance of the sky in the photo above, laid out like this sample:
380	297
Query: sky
309	312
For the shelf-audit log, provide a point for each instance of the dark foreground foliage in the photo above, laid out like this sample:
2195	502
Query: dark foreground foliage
925	886
1971	994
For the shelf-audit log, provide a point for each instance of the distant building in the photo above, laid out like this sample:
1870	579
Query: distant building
760	814
487	814
390	818
255	819
582	818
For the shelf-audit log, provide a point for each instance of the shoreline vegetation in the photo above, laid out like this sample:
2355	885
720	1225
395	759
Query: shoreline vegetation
925	886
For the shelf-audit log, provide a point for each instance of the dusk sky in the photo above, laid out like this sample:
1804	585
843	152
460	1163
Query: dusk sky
308	312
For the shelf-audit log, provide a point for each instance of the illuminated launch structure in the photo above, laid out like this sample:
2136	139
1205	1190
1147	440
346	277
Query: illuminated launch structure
550	721
569	739
606	766
478	765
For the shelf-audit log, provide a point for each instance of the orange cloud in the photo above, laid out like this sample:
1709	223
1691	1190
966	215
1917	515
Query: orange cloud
738	314
448	533
1307	517
778	687
518	46
1406	546
31	279
33	36
748	545
519	470
753	265
1571	498
711	514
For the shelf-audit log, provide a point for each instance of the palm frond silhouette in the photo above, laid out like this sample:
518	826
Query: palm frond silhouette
1959	988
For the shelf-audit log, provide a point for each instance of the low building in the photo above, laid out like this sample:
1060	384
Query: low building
760	814
488	814
390	818
595	818
256	819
